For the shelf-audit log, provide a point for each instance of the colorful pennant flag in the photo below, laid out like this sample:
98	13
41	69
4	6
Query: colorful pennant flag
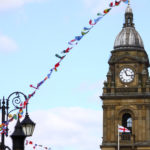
78	38
33	86
107	10
99	14
91	22
125	1
73	42
111	4
31	95
60	57
85	28
50	73
84	32
97	19
30	142
67	50
117	3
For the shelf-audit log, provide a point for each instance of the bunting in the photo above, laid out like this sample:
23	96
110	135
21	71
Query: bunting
35	145
74	42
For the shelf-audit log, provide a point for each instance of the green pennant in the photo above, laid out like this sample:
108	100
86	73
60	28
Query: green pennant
15	116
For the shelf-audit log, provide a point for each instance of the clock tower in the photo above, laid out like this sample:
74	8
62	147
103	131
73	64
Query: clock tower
126	92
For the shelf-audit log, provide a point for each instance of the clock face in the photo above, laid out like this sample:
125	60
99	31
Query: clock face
126	75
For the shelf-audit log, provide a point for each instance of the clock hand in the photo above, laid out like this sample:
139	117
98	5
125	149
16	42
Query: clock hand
126	73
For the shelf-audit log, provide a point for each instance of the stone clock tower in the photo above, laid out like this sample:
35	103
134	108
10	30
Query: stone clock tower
126	93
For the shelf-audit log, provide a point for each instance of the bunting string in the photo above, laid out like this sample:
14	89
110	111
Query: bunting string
74	42
35	146
71	44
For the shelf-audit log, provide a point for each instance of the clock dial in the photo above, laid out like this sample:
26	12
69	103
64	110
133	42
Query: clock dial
126	75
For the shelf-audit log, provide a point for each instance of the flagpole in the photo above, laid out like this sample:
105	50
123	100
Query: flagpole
118	139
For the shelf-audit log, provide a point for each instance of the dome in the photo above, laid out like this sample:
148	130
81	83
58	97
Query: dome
128	37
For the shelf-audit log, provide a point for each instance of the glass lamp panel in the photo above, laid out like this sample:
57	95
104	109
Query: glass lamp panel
24	129
29	130
32	130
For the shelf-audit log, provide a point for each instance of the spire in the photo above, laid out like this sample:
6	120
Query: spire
128	16
128	2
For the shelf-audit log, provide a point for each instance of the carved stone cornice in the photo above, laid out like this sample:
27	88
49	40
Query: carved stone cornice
131	96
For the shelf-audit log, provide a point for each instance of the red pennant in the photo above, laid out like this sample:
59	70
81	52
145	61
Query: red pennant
45	78
33	86
30	142
68	49
73	40
111	4
57	65
90	22
25	103
117	3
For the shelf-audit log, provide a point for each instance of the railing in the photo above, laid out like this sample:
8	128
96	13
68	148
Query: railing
125	136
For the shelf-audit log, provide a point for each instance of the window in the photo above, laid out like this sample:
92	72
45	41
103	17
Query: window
127	121
128	20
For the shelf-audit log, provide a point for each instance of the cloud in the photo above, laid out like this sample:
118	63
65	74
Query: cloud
11	4
67	128
7	44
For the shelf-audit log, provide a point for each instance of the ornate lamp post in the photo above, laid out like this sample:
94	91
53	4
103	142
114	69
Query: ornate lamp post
27	125
18	137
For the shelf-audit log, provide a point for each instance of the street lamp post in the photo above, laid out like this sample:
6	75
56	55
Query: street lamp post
18	136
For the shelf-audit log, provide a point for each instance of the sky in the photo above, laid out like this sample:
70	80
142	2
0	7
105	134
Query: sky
67	109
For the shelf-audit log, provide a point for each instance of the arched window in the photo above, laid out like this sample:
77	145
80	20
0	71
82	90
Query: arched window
127	121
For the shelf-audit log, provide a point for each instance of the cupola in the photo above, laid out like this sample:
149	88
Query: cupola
128	38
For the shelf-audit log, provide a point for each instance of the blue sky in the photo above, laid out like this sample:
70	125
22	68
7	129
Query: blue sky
32	32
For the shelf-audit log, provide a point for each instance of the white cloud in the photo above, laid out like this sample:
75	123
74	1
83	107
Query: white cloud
7	44
67	128
10	4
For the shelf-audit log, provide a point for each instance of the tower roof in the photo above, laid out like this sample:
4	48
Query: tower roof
128	37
